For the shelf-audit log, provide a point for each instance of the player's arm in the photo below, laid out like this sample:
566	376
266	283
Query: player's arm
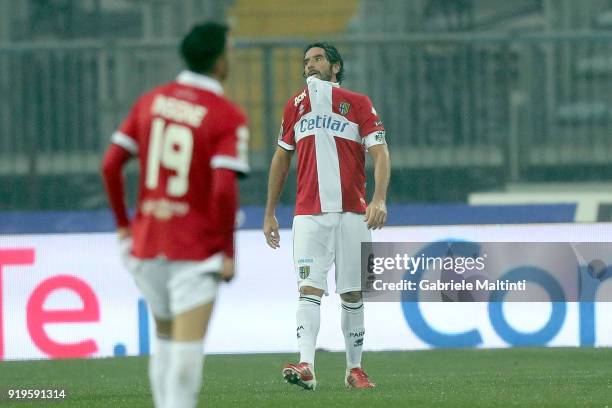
123	147
373	133
112	172
279	169
376	213
225	203
229	160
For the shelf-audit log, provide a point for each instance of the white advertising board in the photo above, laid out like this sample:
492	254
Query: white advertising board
68	295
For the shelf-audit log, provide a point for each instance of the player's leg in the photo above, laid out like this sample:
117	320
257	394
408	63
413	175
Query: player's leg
352	323
151	278
308	320
186	357
152	283
353	329
352	232
192	288
160	359
312	259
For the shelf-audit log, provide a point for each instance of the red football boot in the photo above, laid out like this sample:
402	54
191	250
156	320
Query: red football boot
300	374
357	378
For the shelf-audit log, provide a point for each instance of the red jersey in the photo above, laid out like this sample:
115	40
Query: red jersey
181	132
331	128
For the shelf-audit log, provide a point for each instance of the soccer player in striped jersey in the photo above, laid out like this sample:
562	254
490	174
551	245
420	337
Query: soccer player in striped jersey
331	128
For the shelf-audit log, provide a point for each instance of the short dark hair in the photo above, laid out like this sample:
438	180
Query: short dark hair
332	55
203	45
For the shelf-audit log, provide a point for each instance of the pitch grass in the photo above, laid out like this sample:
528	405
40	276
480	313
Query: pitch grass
441	378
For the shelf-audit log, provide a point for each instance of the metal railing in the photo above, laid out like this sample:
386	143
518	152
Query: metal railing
512	105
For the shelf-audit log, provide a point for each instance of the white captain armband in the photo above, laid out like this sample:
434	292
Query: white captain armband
375	138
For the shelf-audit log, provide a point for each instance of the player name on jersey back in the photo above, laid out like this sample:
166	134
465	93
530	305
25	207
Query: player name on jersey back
178	110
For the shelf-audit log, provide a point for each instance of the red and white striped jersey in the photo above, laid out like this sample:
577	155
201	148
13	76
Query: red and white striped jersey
331	128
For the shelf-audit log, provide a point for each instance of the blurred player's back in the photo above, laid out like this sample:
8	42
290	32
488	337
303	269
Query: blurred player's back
190	143
178	127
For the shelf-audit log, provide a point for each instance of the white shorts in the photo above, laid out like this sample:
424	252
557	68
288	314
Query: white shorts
321	240
173	287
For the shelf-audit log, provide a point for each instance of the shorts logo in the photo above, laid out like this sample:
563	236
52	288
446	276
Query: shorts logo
304	271
380	136
343	108
303	261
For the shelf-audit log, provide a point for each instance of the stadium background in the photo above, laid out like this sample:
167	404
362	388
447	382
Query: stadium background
498	113
476	95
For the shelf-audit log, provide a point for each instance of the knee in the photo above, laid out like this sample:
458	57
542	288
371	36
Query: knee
351	297
163	328
309	290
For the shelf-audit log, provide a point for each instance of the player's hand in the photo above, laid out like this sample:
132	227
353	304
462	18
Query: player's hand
228	270
124	232
125	242
376	214
270	230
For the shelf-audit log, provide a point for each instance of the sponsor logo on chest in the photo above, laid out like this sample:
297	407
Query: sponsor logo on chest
321	122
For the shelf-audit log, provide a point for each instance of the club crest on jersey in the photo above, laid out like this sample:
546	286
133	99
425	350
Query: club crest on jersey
344	107
304	271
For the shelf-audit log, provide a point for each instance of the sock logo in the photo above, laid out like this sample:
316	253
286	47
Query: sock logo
298	331
357	334
358	343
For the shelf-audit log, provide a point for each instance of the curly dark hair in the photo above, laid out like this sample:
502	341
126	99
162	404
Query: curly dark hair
332	55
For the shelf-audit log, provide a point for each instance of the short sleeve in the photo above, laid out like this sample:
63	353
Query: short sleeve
286	133
231	150
371	128
126	135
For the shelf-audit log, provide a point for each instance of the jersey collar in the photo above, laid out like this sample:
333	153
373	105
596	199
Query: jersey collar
314	78
200	81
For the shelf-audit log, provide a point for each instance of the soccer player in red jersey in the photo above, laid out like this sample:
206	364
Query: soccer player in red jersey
331	128
190	142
